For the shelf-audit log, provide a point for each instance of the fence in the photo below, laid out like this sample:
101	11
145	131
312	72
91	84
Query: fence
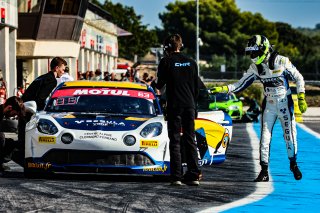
237	75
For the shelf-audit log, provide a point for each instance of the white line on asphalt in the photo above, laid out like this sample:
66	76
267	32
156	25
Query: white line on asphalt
307	129
263	189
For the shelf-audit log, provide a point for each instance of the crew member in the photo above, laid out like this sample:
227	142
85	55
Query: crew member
11	108
180	75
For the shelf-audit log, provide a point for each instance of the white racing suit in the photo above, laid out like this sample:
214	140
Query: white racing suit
277	102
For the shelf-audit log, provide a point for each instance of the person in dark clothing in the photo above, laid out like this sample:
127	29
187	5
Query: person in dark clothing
39	90
41	87
254	110
11	108
180	75
203	101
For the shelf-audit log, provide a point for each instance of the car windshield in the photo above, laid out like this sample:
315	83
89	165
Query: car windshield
222	97
101	104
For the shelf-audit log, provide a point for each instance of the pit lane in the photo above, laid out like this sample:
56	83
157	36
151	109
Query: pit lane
222	184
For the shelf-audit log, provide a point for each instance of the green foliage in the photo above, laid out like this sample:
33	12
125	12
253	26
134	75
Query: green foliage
303	49
219	28
126	18
224	31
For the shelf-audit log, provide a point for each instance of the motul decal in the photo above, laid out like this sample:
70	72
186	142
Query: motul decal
103	91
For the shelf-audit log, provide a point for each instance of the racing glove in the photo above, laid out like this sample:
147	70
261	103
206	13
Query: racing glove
223	89
302	102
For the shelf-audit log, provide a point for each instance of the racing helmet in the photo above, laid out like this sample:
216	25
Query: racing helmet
258	48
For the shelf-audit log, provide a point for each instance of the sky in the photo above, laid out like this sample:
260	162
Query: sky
297	13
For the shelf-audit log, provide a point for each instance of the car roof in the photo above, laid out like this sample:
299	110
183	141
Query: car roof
117	84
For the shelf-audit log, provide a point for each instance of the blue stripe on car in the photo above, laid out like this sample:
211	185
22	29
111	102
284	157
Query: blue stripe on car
99	124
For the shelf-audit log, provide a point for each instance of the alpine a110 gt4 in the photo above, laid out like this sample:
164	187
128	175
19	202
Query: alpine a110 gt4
113	127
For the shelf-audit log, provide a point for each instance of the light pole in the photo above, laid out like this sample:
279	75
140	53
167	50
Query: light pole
197	36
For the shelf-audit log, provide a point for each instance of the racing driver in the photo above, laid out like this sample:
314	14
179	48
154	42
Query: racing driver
274	71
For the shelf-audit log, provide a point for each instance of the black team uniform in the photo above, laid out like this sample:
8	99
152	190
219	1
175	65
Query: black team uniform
180	75
38	91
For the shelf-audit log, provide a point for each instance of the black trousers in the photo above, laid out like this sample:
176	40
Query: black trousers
2	148
181	120
11	149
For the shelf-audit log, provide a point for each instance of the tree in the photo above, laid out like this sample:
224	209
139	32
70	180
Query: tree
125	17
219	28
224	31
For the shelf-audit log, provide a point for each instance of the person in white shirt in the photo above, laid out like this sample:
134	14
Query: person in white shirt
97	75
65	77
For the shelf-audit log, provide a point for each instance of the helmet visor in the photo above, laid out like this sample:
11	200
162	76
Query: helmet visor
253	51
255	54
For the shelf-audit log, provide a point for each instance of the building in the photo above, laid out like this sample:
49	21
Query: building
38	30
8	34
99	41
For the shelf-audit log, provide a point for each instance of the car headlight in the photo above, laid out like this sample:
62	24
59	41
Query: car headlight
151	130
47	127
233	107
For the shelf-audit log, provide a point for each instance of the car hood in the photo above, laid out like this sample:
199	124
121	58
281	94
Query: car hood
105	122
222	105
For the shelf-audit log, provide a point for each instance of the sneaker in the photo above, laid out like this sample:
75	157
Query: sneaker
3	167
176	183
191	179
200	176
296	171
191	182
263	176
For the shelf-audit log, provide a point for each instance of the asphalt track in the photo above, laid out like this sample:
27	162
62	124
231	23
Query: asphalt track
226	187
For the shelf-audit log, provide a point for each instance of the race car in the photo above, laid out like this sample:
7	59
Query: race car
112	127
229	103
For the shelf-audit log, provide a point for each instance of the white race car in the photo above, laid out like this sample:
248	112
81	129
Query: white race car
113	127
